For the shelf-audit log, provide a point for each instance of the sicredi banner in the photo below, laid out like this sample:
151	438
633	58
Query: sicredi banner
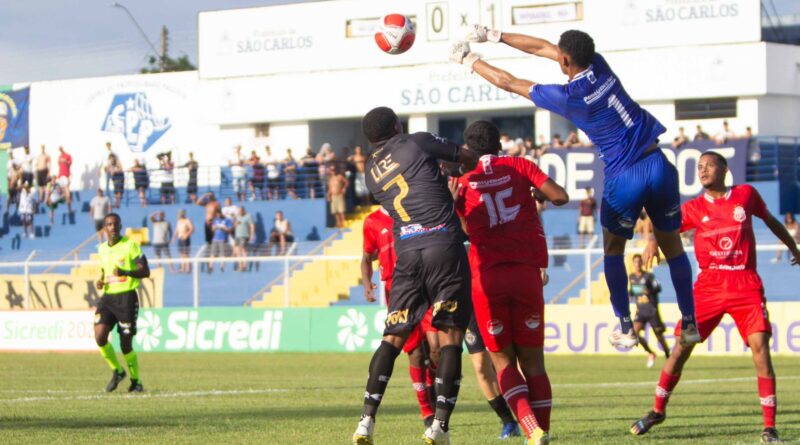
569	329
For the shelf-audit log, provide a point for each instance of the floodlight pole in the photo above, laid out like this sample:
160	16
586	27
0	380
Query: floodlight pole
141	31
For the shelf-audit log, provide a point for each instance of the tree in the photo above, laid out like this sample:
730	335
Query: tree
182	63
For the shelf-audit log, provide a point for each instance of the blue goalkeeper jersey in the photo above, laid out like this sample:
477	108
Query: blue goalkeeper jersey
596	102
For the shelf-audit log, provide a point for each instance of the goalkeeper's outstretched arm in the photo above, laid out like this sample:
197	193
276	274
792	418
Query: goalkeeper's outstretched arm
502	79
531	45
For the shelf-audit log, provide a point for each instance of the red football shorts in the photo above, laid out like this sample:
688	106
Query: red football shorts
509	305
739	294
419	334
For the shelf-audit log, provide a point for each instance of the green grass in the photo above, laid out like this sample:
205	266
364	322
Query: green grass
316	399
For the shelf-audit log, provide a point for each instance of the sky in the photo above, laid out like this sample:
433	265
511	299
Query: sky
62	39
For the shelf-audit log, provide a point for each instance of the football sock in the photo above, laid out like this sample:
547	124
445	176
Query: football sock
664	388
380	370
617	281
541	395
515	391
448	382
133	364
110	355
681	273
769	403
500	408
421	390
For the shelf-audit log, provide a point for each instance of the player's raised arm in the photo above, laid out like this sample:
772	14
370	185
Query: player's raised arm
461	53
529	44
442	149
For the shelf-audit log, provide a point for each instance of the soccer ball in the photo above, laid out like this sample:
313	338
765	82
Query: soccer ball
396	34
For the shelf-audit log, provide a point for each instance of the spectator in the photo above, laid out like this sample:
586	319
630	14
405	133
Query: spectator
681	139
238	173
191	186
309	169
222	228
290	174
517	148
109	153
337	185
258	178
229	210
529	147
792	227
273	174
325	158
724	135
244	234
557	142
543	145
183	235
114	170
506	144
42	173
586	211
26	164
572	140
26	208
281	234
99	208
64	167
167	178
209	201
359	161
14	183
55	195
700	135
162	235
140	181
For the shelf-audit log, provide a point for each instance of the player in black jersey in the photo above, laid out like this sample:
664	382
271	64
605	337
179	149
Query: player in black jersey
644	290
432	268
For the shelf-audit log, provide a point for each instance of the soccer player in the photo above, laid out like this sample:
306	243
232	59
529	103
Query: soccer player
379	244
637	174
432	267
507	252
725	248
644	290
122	266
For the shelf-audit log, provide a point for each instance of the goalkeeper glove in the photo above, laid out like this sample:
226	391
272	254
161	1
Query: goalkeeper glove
480	34
460	53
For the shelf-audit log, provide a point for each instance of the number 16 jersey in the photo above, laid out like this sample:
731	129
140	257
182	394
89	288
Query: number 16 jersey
404	176
500	213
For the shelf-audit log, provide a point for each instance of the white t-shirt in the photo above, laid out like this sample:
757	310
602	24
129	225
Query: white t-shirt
230	212
272	166
27	161
100	207
237	167
27	200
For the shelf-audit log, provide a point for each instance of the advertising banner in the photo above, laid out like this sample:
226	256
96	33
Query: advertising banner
578	168
61	291
569	329
14	118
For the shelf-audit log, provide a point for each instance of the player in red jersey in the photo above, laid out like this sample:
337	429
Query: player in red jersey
725	247
507	252
379	244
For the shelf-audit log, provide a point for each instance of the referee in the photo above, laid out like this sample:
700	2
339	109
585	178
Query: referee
122	266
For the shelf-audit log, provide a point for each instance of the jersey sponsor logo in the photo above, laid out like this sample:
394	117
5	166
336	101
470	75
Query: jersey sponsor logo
533	321
494	327
728	267
413	230
725	243
489	183
600	92
739	215
446	305
397	317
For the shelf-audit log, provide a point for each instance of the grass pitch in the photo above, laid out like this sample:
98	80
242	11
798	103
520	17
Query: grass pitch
316	399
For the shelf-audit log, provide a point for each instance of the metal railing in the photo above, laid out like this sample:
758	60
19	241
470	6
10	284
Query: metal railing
563	282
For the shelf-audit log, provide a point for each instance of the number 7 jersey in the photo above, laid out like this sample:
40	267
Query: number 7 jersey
496	203
404	176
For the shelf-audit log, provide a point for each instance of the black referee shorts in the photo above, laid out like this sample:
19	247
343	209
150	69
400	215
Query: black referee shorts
435	276
120	309
473	337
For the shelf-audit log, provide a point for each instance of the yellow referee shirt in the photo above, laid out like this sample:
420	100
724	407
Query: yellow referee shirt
123	254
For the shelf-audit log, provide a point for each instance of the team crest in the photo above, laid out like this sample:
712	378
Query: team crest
494	327
533	321
725	243
132	115
469	337
739	214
